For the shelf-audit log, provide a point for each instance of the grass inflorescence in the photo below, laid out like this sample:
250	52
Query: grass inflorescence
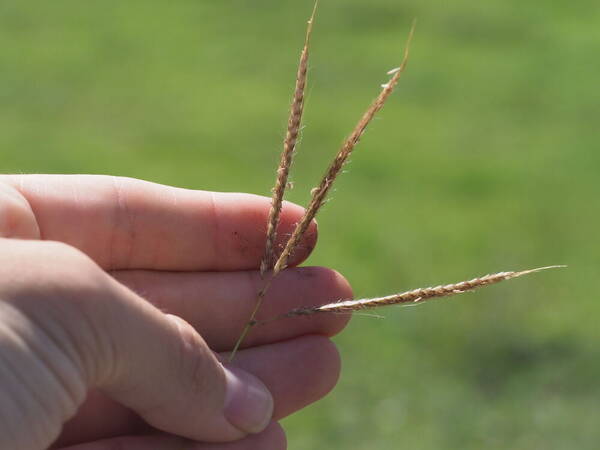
271	265
414	296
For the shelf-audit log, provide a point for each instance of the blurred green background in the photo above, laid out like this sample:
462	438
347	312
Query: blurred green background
485	159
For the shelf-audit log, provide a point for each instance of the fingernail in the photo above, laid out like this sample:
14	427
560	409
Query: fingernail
248	403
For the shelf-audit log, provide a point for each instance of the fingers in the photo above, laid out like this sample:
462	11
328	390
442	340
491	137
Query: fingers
272	438
218	305
123	223
167	374
100	417
87	330
297	372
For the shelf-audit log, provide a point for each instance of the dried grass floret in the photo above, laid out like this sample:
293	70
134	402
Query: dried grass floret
271	266
281	180
319	194
414	296
287	155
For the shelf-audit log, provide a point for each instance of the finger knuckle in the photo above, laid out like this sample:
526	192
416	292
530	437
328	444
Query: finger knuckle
16	216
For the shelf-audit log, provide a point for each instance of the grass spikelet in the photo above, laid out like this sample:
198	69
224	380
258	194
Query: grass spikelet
414	296
319	194
281	181
287	155
273	266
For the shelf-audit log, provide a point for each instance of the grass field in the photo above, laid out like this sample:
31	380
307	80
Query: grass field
485	159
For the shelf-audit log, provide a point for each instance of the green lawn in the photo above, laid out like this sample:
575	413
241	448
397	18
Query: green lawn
485	159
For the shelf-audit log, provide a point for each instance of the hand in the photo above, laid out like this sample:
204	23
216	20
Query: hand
115	295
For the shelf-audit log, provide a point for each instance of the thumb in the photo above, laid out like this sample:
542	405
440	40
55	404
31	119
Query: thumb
162	369
66	327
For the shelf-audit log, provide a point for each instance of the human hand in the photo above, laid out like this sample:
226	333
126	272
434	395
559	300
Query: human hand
80	339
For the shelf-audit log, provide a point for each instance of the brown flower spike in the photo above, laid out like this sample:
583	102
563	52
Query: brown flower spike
289	148
319	194
414	296
270	266
281	181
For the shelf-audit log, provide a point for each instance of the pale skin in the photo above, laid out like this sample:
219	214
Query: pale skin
120	298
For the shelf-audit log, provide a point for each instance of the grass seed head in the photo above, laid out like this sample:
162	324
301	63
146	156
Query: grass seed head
287	155
319	194
414	296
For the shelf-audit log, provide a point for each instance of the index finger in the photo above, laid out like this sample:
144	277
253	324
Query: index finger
124	223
